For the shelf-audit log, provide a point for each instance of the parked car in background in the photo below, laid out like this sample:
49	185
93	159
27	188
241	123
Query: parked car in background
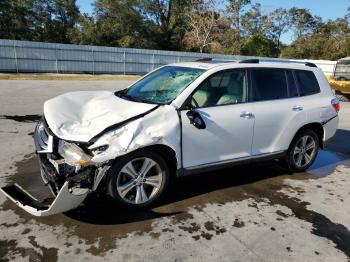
342	70
180	119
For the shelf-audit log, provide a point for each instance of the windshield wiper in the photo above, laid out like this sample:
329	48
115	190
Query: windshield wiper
122	94
129	97
135	99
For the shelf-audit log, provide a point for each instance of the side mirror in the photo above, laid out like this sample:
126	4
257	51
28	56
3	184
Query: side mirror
196	119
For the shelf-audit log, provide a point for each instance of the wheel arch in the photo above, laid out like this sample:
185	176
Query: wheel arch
315	127
164	151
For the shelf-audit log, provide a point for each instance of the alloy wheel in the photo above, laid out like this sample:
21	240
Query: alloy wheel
139	180
304	151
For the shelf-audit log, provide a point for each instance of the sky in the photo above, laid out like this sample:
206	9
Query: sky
324	8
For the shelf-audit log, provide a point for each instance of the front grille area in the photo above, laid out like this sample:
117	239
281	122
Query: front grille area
49	174
42	138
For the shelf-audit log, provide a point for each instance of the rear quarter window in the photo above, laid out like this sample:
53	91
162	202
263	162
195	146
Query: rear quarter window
307	82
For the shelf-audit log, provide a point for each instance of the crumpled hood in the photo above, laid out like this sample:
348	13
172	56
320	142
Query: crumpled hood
79	116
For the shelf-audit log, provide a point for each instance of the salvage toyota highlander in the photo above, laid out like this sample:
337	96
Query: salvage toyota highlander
180	119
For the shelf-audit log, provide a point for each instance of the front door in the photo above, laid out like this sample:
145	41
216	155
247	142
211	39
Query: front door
221	102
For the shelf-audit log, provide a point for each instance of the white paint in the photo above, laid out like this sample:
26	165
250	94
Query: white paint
161	126
226	136
64	201
79	116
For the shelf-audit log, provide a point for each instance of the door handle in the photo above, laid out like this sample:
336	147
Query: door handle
298	108
246	114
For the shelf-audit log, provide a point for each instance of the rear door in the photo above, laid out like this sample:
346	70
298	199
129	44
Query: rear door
277	108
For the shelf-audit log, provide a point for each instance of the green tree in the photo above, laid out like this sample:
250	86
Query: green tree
166	19
202	26
230	28
303	22
85	31
115	23
347	16
13	19
278	24
38	20
65	17
227	41
254	22
257	45
331	42
234	10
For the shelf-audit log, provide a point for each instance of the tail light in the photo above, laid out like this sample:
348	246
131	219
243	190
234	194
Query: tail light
336	104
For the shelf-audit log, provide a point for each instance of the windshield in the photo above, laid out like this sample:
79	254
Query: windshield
163	85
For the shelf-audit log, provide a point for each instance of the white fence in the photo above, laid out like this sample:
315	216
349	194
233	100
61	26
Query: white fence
325	65
37	57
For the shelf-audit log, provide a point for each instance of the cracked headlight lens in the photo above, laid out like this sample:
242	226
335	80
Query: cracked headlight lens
73	154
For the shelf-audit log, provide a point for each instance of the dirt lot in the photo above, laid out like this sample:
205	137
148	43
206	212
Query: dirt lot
246	213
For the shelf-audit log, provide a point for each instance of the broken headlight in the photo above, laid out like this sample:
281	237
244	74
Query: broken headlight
73	154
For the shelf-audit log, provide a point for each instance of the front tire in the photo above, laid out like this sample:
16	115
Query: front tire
302	151
139	179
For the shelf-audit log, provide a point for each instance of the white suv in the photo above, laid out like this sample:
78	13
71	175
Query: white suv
179	119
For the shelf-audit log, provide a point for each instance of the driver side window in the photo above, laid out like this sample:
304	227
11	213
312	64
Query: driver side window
225	87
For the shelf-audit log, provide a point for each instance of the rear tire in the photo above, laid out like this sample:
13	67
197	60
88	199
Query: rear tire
302	151
139	179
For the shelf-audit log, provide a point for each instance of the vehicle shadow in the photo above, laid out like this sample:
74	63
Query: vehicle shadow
211	187
104	210
341	142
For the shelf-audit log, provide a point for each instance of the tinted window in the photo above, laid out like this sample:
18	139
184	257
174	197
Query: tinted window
292	87
307	82
227	87
269	84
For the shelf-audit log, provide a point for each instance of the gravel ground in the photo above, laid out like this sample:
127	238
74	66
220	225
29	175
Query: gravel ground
246	213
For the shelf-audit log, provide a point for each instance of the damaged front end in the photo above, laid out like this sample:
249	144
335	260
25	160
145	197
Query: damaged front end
66	168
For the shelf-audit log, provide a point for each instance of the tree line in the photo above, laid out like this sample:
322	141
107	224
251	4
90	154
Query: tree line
212	26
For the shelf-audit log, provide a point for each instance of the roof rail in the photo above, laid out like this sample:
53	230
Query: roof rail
257	61
249	61
204	59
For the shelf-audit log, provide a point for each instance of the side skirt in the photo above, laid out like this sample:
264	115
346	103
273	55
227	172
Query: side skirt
229	163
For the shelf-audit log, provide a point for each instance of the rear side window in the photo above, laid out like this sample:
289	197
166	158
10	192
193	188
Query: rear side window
269	84
307	82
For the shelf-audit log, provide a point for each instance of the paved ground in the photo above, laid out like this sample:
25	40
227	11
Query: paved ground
248	213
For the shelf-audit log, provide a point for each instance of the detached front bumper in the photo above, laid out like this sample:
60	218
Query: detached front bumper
68	191
64	200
